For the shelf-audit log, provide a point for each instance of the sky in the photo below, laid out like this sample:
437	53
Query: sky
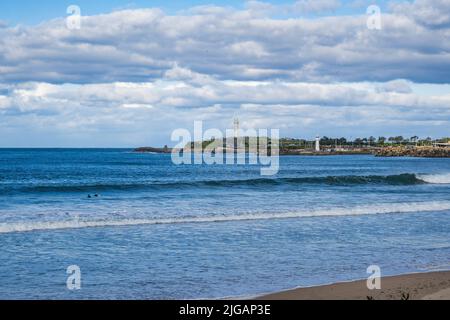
34	12
134	71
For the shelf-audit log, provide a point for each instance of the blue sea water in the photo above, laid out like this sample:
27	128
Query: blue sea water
160	231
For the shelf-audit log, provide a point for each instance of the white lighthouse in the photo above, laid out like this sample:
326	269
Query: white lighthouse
236	140
317	143
236	128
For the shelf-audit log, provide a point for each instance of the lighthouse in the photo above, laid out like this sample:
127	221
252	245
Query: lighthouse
236	134
236	128
317	143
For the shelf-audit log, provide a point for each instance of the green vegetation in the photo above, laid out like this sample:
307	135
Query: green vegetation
290	144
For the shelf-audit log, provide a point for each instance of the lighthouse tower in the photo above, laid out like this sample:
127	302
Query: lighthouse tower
236	139
317	143
236	128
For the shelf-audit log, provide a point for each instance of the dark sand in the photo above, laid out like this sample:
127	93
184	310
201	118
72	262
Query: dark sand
426	286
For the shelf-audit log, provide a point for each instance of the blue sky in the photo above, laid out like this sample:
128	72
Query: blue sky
135	71
33	12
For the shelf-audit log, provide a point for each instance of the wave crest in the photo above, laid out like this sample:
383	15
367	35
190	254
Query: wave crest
435	178
388	208
401	179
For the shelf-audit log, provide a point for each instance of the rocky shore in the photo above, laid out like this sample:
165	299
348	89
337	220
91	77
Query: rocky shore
282	152
424	152
153	150
324	153
402	151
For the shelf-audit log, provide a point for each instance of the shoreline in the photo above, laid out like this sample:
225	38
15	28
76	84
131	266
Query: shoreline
386	152
433	285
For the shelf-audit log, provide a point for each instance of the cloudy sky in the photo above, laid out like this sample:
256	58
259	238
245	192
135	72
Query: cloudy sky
135	71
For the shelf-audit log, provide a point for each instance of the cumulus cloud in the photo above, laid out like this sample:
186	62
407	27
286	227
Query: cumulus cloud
177	90
429	13
142	44
129	77
316	6
299	7
133	114
400	86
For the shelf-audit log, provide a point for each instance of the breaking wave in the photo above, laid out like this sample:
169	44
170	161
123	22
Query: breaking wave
443	178
401	179
389	208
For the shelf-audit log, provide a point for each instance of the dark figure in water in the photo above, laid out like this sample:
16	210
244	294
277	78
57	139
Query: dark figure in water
96	195
89	196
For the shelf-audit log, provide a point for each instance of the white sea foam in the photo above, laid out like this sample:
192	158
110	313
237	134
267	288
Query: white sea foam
443	178
359	210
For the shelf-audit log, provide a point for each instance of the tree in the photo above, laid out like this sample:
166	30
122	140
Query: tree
381	140
342	141
399	139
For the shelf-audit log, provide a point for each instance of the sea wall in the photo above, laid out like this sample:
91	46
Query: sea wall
425	152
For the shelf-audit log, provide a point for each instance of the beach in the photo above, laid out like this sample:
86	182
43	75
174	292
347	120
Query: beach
416	286
206	150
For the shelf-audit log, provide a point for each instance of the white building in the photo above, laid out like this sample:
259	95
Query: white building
236	128
317	144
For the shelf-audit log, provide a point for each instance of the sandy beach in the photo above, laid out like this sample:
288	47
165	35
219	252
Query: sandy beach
419	286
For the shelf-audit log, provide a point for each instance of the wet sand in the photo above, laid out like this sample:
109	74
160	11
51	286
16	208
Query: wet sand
418	286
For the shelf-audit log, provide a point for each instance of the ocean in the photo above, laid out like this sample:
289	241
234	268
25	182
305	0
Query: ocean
140	227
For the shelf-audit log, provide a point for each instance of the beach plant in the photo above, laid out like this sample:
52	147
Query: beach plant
405	296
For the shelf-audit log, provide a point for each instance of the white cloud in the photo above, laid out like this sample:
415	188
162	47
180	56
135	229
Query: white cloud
400	86
430	13
141	45
131	76
186	93
308	6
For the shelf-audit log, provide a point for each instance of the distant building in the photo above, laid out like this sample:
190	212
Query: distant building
236	128
236	140
438	144
317	144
